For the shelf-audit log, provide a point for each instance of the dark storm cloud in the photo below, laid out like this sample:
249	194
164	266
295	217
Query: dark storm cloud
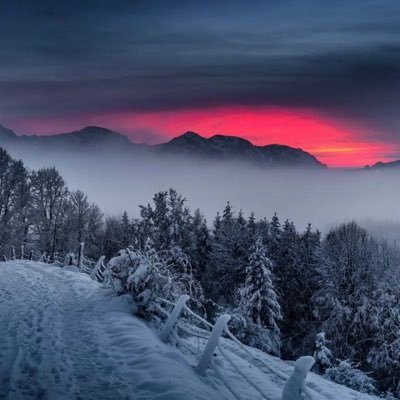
67	58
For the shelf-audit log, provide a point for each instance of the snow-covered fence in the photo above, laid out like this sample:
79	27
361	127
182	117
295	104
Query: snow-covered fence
83	264
21	254
212	343
173	318
80	255
296	383
99	269
96	271
44	258
293	384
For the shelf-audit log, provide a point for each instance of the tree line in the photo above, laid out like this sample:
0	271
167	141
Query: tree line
290	292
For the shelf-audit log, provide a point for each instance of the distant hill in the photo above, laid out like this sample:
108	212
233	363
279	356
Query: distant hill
190	144
385	165
89	136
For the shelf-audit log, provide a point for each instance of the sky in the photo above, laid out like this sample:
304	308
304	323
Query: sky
321	76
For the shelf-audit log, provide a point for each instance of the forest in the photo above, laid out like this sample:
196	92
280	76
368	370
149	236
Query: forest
290	292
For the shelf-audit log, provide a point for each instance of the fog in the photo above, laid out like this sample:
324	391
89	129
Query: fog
121	182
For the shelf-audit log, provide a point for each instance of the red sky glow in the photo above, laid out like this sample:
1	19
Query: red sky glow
331	142
334	143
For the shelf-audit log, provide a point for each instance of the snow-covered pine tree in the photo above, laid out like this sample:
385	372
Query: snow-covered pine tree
322	354
274	237
200	245
259	302
348	279
127	230
297	277
217	226
167	221
229	256
251	228
384	356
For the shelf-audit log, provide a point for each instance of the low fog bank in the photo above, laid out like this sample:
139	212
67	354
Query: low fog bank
324	197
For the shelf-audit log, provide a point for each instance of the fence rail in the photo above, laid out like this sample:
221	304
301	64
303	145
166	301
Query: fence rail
292	384
96	271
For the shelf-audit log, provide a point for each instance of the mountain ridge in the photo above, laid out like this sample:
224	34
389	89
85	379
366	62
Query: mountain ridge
217	147
384	165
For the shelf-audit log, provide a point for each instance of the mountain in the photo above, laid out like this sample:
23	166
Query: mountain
385	165
231	148
190	144
89	136
7	134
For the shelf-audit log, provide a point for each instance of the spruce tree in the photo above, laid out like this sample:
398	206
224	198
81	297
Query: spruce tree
229	256
322	354
259	302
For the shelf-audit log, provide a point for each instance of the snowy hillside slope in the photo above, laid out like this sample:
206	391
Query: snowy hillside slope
63	336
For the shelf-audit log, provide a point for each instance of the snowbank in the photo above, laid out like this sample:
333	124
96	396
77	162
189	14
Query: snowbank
65	336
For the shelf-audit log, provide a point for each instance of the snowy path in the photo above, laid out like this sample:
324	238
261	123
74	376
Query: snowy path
63	337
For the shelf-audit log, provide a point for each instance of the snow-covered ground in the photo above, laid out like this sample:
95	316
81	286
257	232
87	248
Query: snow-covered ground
63	336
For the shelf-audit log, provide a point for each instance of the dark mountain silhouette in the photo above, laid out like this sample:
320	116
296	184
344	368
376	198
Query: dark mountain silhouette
385	165
238	149
190	144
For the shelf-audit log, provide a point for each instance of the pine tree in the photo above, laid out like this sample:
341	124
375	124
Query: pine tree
251	229
126	231
229	256
259	302
347	280
274	237
200	245
295	271
167	221
384	318
217	226
322	354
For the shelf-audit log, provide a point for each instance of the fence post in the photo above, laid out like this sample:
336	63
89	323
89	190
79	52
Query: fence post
212	343
22	251
296	382
30	255
173	317
80	255
96	267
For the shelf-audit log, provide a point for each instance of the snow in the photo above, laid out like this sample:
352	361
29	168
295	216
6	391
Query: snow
65	336
294	385
271	379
